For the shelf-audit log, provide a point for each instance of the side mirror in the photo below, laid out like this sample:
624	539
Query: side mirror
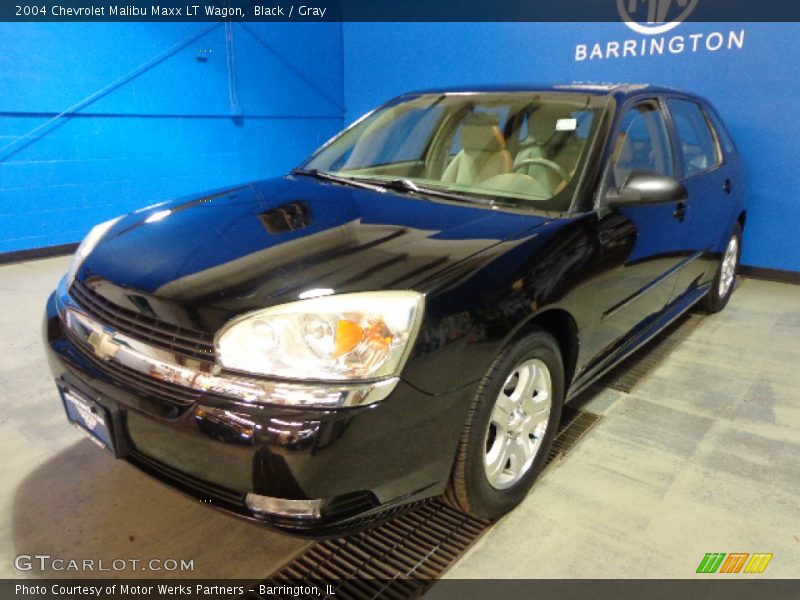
648	188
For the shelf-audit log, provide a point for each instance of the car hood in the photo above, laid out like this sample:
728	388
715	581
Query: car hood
265	243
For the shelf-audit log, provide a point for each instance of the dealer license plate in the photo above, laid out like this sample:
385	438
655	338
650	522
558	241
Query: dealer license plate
89	416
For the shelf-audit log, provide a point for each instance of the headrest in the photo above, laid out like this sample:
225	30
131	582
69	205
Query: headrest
543	121
480	132
482	118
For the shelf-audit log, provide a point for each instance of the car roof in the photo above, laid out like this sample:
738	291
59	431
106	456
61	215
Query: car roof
618	90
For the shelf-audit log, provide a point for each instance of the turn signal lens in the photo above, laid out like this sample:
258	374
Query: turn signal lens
349	334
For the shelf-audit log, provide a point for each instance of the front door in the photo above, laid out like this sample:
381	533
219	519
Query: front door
646	244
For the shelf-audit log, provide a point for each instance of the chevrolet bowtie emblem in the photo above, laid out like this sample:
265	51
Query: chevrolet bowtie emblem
103	344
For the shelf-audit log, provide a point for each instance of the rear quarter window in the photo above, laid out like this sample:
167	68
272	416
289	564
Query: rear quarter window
725	139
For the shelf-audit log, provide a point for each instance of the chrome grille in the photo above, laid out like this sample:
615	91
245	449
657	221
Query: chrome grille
137	382
146	329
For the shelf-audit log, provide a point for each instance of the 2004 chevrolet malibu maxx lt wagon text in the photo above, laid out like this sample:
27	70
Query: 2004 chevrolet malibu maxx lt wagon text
405	314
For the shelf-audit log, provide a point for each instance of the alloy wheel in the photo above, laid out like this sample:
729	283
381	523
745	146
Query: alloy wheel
518	424
728	273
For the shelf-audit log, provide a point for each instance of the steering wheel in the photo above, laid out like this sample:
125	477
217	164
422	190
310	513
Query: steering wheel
554	167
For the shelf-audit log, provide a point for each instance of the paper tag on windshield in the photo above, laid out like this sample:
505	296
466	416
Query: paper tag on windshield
567	125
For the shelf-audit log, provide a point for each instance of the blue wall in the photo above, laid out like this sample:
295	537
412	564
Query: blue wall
755	87
166	132
169	131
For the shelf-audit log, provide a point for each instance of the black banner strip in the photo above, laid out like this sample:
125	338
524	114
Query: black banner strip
650	14
710	587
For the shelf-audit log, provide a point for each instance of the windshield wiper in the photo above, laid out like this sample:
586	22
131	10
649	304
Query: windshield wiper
410	186
325	176
397	185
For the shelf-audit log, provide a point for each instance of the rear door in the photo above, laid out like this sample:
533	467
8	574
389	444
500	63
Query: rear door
710	181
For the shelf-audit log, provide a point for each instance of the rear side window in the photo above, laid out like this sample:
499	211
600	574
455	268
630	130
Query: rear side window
697	142
722	134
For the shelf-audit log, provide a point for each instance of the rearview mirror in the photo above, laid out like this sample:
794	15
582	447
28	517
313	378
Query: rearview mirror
648	188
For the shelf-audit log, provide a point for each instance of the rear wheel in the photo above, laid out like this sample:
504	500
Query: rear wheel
725	278
510	428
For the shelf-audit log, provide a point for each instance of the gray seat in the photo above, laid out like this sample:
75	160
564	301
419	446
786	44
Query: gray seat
542	133
483	151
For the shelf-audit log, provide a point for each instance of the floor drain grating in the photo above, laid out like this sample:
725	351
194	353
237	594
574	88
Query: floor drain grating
638	367
402	557
575	424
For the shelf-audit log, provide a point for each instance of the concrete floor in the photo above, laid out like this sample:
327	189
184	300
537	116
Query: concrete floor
704	456
62	495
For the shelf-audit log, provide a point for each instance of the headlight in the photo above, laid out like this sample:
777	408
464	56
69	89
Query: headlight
345	337
86	247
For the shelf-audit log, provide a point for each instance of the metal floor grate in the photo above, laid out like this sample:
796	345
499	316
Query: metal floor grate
402	557
638	367
575	424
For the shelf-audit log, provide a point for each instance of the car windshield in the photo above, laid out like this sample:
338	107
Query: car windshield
519	148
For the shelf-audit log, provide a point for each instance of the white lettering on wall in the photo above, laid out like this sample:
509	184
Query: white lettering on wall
657	46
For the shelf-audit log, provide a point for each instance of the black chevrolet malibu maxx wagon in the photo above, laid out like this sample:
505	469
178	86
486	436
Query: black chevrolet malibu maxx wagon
404	315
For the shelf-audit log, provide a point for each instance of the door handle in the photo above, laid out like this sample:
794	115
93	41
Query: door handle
680	212
727	187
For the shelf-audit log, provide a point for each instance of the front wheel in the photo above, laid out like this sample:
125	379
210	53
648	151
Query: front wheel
510	428
725	278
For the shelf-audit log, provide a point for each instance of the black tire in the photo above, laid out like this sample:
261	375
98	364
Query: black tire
714	301
469	489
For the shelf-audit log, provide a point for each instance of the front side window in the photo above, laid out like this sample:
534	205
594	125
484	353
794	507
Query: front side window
698	146
520	148
642	143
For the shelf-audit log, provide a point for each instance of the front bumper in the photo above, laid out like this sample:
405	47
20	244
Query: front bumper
308	470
